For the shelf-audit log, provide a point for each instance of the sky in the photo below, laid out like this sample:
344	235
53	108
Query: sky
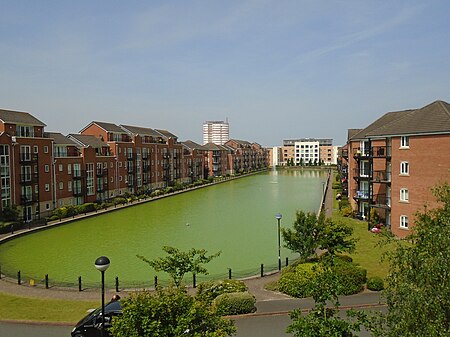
275	69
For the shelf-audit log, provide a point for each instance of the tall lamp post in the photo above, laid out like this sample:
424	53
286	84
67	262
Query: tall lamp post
102	263
278	216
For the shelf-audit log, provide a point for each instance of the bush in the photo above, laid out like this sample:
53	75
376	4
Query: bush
234	303
119	200
209	290
87	207
375	283
351	277
347	211
296	281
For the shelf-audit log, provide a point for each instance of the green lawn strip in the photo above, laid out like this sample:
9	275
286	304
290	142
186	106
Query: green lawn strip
41	309
368	254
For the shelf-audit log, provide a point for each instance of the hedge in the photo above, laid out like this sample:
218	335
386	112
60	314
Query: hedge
209	290
375	283
234	303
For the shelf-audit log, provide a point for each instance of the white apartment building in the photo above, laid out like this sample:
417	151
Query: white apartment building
307	152
216	132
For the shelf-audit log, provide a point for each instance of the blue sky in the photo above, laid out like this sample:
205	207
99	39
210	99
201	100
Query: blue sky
276	69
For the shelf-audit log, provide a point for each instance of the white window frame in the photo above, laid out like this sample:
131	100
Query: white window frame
404	222
404	195
45	149
404	142
47	187
404	168
46	168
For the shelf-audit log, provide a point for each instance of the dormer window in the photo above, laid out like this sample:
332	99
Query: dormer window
24	131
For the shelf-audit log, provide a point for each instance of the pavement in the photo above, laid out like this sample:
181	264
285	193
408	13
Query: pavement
267	302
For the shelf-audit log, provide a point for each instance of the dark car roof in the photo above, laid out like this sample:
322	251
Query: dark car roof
113	306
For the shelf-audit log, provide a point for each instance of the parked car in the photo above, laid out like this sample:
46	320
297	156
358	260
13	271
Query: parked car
91	324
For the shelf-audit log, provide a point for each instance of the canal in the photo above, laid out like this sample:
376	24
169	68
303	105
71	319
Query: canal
236	218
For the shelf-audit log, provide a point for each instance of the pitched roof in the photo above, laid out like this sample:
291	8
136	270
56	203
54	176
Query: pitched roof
432	118
241	142
166	133
87	140
192	145
109	127
59	138
137	130
19	117
215	147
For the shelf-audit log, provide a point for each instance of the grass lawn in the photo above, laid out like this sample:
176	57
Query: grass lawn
39	309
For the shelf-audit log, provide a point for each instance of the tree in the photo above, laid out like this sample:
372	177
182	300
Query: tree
169	312
303	237
323	321
418	283
178	263
335	237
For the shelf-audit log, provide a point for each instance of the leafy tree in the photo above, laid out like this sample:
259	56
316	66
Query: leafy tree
335	237
322	321
10	213
418	283
178	263
169	312
311	232
303	237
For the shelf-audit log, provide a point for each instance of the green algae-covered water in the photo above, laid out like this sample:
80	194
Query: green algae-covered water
236	218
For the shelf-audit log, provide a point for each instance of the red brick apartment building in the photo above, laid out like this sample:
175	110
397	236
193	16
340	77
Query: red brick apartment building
41	171
392	164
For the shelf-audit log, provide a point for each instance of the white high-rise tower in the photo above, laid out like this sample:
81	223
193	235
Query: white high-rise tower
217	132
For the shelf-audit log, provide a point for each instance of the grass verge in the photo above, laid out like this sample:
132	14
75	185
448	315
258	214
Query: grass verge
44	310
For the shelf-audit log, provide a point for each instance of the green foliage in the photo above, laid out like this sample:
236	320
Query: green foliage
87	207
347	211
295	281
303	237
351	278
343	203
178	263
119	200
335	237
168	313
10	213
234	303
417	286
375	283
322	321
209	290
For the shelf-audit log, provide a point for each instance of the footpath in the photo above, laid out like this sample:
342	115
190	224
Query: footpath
267	302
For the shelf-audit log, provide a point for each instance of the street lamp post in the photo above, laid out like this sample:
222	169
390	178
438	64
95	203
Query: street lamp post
102	263
278	216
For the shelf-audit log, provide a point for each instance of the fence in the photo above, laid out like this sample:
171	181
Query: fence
114	282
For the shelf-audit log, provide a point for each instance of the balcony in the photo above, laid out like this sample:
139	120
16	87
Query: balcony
359	153
28	179
27	199
100	172
146	168
381	177
381	201
361	174
361	194
27	158
77	192
381	152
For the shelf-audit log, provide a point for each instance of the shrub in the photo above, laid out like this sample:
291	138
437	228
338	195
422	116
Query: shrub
351	277
347	211
234	303
87	207
295	281
209	290
375	283
119	200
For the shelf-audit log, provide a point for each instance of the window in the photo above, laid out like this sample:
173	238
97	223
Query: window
69	186
47	206
404	142
404	194
69	169
46	168
60	167
404	168
35	149
45	149
61	185
47	187
24	131
403	221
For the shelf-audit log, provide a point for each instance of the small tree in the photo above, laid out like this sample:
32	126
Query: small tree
178	263
336	238
169	312
322	321
303	237
418	291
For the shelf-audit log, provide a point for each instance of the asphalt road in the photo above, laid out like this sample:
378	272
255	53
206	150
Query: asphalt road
250	326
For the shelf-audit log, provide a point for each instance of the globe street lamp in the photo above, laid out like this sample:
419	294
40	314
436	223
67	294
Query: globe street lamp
102	263
278	216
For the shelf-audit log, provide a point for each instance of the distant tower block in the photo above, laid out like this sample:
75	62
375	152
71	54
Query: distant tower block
217	132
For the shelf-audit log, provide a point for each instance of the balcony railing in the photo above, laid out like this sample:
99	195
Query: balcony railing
361	173
26	199
382	201
381	151
381	176
25	158
361	194
78	192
